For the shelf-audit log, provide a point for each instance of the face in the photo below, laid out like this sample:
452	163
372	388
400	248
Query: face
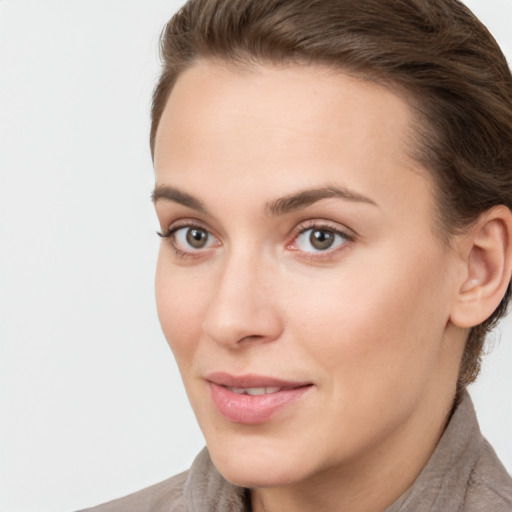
300	282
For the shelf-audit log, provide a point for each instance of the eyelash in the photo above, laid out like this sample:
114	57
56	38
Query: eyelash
302	228
169	235
320	226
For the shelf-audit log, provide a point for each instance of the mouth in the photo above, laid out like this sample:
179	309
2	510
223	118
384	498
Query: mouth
255	391
253	399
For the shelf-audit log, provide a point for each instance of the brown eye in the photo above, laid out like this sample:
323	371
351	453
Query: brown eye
191	241
321	239
197	237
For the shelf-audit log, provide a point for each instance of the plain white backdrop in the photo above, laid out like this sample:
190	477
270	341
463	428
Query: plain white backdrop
91	405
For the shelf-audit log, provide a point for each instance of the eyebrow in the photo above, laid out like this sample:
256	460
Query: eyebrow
304	198
177	196
293	202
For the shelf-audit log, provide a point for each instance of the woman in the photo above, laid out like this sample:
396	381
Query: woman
333	185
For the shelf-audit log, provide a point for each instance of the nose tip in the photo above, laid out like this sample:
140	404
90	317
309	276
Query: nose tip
242	309
229	323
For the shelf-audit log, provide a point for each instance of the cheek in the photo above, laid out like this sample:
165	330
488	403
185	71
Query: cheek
376	325
180	311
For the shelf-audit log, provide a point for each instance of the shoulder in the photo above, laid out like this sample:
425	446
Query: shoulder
165	496
201	488
463	474
489	485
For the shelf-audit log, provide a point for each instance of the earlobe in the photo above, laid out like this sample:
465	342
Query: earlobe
488	267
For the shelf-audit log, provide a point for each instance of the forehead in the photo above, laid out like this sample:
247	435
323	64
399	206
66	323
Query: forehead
211	98
285	126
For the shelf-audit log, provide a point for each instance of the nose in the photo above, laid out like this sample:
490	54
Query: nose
243	307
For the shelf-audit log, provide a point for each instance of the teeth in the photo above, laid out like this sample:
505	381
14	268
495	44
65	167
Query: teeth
254	391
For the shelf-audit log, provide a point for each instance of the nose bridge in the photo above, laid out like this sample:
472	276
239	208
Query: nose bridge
243	305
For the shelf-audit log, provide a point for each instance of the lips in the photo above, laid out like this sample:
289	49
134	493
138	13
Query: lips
253	399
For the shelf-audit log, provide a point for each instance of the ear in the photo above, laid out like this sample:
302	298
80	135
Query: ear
487	259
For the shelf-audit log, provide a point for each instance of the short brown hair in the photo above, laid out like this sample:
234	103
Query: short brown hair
453	72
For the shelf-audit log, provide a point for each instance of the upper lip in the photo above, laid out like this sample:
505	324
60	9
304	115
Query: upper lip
252	381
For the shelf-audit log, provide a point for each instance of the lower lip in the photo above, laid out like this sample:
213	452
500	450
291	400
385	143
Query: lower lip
249	409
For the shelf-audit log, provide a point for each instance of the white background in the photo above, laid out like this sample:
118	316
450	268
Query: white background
91	405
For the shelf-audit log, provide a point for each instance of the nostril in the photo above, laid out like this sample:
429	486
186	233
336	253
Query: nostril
236	332
253	338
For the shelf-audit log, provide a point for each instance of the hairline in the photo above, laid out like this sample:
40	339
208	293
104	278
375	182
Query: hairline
414	143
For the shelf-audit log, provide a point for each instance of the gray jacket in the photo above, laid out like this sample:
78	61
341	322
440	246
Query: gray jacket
463	475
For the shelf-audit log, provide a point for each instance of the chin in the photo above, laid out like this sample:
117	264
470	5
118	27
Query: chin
258	467
258	477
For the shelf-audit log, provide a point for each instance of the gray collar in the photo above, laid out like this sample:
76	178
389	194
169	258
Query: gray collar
444	480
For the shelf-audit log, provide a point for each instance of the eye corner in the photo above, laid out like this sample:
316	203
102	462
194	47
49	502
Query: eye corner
331	239
189	239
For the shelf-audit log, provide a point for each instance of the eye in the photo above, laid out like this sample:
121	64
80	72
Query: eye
189	239
317	239
192	237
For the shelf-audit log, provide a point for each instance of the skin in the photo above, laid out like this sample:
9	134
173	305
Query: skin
367	321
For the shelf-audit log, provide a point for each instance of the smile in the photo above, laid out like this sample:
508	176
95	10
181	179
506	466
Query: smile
251	400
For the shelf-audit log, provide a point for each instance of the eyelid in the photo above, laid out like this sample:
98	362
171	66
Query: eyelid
328	225
183	223
188	223
320	224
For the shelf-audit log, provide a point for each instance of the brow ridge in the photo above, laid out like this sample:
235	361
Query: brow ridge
304	198
177	196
